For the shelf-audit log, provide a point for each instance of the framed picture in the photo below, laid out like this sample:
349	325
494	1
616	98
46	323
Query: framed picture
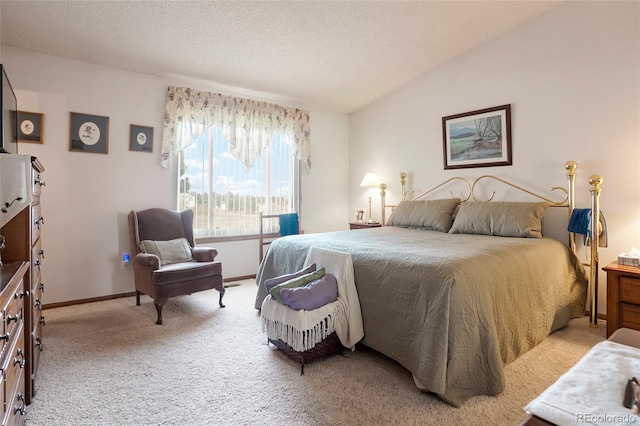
140	138
478	138
30	126
359	215
89	133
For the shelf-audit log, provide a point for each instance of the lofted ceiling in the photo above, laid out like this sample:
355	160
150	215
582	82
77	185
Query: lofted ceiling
340	55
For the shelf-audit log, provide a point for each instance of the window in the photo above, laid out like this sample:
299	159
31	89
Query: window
225	195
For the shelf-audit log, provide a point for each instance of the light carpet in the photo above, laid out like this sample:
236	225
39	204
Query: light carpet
108	363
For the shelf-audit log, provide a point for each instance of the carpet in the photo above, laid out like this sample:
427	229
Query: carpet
108	363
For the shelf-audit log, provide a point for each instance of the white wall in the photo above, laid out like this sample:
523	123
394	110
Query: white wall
87	196
572	78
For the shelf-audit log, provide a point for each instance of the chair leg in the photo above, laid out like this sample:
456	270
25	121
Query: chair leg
137	298
159	304
220	300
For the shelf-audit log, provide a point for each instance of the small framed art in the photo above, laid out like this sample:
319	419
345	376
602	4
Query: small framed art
89	133
30	126
359	216
140	138
479	138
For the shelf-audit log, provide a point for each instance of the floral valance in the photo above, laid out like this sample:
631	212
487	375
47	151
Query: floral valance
248	125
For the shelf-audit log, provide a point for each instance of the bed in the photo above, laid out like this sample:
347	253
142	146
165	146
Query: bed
453	306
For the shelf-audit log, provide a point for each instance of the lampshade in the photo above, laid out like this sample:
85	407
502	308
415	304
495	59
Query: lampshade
370	180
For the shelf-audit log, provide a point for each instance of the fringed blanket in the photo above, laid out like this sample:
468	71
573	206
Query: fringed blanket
301	330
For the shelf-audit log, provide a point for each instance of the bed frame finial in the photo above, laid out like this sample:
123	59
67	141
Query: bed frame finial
570	167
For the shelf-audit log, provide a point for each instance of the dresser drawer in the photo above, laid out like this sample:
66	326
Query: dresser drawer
37	184
14	313
17	406
11	314
630	316
630	290
36	348
36	297
13	369
36	222
37	258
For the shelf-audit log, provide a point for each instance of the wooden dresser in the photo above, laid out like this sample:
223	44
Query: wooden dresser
22	259
623	297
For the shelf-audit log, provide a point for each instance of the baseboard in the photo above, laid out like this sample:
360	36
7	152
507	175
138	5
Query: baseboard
228	282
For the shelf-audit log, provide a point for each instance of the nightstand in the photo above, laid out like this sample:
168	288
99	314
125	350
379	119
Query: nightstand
623	297
362	225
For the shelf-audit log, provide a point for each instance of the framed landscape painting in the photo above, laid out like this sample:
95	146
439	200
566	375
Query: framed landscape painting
479	138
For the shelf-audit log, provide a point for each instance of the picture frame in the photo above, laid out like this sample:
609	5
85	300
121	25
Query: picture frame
140	138
480	138
89	133
359	215
30	126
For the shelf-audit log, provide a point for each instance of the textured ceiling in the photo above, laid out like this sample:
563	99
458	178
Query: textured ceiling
338	54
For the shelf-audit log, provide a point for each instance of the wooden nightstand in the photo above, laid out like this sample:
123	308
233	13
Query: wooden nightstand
623	297
362	225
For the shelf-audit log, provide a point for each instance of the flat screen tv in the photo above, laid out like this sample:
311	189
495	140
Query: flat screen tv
9	121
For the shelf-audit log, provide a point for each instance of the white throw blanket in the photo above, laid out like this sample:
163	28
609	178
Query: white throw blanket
302	329
592	391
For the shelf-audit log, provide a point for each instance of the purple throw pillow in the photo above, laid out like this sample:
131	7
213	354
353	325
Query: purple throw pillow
272	282
312	296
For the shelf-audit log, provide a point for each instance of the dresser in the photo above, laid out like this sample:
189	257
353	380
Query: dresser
21	186
623	297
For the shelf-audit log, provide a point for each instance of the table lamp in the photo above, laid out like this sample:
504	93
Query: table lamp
370	180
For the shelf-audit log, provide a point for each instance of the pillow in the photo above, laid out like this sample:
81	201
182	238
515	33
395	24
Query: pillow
271	282
500	218
436	215
313	295
171	251
300	281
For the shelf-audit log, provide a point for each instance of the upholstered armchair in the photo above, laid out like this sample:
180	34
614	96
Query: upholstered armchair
165	262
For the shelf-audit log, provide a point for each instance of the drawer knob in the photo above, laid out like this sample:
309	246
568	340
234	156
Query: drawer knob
39	221
21	294
38	303
18	409
41	253
38	343
17	361
42	320
5	336
42	287
40	182
37	263
14	318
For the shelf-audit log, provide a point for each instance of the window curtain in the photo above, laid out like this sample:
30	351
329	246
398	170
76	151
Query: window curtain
248	125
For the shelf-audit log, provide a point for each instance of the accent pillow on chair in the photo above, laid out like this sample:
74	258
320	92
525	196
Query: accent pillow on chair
172	251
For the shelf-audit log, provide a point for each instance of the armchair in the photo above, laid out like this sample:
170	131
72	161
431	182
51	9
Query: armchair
167	264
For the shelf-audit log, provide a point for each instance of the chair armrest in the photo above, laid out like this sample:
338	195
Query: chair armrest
147	259
204	254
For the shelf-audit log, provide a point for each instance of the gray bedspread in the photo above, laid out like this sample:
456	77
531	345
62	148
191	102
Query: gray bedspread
451	308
